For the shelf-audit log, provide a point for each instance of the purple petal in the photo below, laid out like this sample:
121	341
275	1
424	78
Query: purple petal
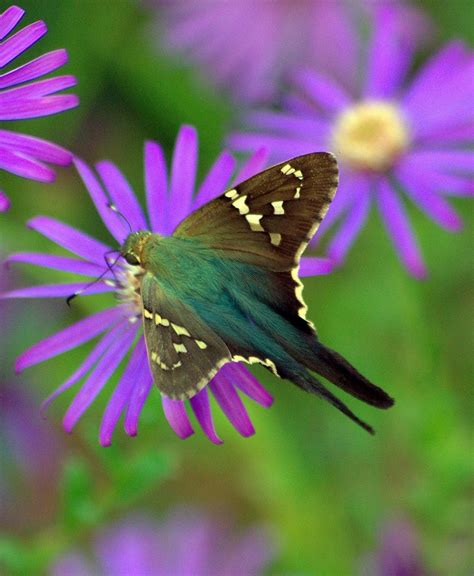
450	105
254	165
4	202
139	395
115	225
324	92
288	124
58	263
96	353
245	381
69	238
399	229
280	147
216	180
177	417
311	266
433	74
35	148
35	108
461	134
202	410
183	174
432	204
34	69
446	184
297	104
350	228
449	160
69	338
389	56
34	90
9	19
21	41
331	21
231	404
99	377
18	164
122	393
122	194
156	186
57	290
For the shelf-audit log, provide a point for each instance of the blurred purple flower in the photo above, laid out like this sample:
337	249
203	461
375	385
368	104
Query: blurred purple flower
249	47
20	99
393	138
186	544
29	470
168	204
398	553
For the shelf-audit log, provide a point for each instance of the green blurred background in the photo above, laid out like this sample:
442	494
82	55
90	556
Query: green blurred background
320	485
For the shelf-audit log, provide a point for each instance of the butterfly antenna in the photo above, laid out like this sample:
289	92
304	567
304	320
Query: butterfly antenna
117	211
110	268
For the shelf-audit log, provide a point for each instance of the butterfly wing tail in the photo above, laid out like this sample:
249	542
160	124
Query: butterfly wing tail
340	372
309	383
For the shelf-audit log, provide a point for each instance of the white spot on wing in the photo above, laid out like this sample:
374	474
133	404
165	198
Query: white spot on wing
278	207
254	222
241	205
180	348
180	330
231	193
275	238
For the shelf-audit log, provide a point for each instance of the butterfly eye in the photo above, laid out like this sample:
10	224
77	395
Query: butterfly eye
131	259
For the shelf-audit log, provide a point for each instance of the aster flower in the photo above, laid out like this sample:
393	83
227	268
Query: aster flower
394	138
20	98
248	47
185	544
118	326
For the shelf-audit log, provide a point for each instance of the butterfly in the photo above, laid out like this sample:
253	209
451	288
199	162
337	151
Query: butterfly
225	287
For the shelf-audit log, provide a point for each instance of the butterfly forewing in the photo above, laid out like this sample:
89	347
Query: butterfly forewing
268	219
184	353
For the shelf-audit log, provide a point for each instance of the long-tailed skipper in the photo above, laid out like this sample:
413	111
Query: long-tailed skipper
225	287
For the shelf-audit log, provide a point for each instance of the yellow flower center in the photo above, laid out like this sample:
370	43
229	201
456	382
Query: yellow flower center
370	135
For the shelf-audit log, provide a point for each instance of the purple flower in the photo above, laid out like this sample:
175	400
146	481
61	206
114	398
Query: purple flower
249	47
398	553
394	138
20	98
185	544
118	326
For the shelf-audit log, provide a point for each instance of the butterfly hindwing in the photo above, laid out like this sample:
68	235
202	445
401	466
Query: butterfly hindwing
183	353
268	219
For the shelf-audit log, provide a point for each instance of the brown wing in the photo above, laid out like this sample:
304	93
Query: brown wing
268	219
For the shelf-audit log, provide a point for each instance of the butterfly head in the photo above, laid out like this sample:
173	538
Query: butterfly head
132	248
